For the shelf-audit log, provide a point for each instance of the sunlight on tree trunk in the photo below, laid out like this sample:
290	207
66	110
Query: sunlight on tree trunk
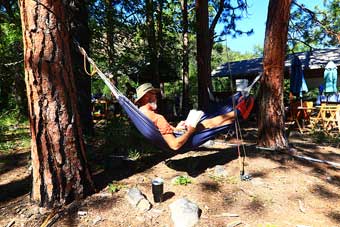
271	110
60	169
185	56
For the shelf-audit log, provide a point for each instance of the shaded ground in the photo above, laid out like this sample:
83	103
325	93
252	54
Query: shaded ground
284	191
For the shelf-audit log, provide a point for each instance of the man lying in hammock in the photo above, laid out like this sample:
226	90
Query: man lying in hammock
147	101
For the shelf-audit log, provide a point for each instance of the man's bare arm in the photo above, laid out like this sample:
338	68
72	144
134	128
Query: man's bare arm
176	143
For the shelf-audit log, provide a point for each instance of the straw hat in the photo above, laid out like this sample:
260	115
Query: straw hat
143	89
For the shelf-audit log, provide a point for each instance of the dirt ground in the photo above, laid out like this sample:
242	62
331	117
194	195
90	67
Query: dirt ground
284	190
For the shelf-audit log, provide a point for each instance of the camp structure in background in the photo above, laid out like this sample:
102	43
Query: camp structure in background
313	64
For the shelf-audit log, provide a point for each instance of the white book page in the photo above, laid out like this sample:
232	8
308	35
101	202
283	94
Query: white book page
194	117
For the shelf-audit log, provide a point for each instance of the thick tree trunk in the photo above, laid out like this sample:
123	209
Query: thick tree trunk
78	20
160	41
110	32
185	55
203	55
271	112
60	169
151	37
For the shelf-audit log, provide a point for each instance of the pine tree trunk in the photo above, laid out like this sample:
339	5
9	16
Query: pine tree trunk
185	55
271	112
78	20
109	14
160	41
203	55
151	37
60	169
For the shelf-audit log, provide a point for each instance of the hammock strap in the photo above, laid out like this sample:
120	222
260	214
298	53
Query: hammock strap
106	80
85	68
118	94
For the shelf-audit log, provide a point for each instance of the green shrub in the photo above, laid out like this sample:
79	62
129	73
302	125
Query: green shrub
182	180
115	187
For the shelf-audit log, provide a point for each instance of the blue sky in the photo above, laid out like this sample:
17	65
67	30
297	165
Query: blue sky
257	20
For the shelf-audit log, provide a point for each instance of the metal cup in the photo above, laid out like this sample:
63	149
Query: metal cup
157	189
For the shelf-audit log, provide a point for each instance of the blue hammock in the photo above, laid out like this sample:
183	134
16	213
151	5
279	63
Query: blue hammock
147	128
151	132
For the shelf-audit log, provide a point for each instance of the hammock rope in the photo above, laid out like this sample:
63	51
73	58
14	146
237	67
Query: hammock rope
238	130
85	68
146	126
237	125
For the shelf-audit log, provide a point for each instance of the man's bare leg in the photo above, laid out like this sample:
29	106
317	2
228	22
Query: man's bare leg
218	121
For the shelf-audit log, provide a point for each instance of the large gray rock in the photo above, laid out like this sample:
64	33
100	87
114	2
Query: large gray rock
137	199
184	213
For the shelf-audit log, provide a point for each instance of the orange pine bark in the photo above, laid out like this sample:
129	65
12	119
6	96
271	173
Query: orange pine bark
271	110
60	169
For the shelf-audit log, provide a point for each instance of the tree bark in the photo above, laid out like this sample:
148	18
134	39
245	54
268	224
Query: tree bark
203	56
271	113
185	56
78	22
151	37
160	41
109	14
60	169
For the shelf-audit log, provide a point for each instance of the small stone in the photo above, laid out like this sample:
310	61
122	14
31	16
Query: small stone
144	205
134	196
184	213
137	199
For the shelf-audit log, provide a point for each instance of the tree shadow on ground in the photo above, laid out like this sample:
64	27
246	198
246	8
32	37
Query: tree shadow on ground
15	189
326	173
12	161
116	169
194	166
210	186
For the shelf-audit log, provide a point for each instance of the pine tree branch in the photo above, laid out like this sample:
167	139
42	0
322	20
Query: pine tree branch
315	19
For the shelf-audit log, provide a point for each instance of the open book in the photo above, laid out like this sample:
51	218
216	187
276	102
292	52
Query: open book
194	117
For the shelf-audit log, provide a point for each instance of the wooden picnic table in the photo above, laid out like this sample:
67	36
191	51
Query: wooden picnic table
328	116
300	112
303	113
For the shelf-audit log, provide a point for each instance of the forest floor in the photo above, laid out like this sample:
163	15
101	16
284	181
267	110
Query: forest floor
284	190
